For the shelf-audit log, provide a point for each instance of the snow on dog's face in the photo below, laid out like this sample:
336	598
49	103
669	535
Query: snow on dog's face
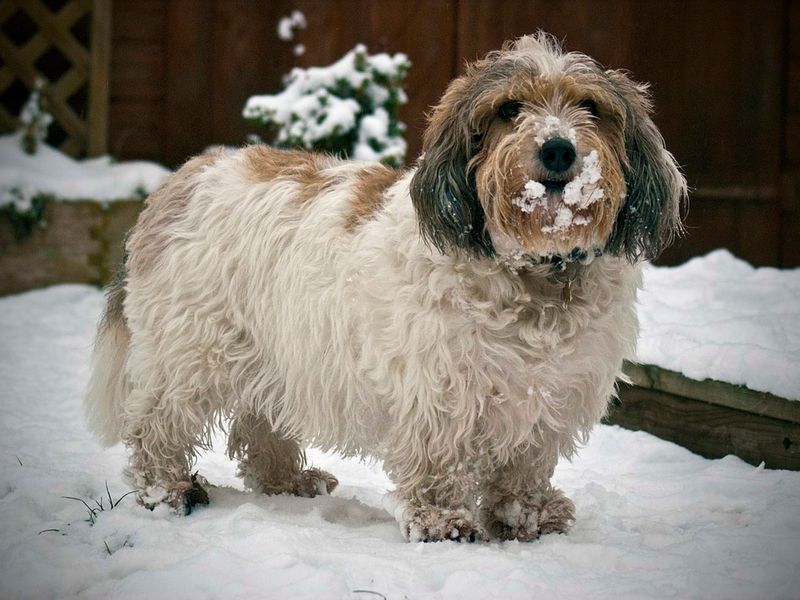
539	152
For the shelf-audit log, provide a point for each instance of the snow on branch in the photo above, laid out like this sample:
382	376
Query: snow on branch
348	108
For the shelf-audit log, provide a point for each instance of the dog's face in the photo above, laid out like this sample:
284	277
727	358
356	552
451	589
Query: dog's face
538	152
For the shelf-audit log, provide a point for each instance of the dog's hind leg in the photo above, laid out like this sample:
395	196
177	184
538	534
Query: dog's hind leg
518	501
272	463
163	443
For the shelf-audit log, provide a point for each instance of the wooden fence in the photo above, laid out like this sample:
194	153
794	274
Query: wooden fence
65	45
725	75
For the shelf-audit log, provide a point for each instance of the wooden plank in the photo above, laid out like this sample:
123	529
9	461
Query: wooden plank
709	225
97	113
69	83
793	86
138	70
6	10
793	25
246	58
738	193
792	150
790	220
187	103
710	430
713	392
139	21
135	129
757	238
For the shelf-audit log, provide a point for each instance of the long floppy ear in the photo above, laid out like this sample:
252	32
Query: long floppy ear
650	217
443	190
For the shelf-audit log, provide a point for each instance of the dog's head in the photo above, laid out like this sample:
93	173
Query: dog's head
540	152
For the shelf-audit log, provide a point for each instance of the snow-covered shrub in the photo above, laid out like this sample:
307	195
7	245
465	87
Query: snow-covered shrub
24	208
34	121
348	108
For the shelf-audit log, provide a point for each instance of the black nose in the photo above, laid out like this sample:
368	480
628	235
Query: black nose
557	154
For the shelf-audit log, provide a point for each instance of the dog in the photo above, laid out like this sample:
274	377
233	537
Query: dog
464	321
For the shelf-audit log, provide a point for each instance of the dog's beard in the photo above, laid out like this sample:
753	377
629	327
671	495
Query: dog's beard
531	212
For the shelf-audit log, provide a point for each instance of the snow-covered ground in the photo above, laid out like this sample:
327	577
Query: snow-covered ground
718	317
654	520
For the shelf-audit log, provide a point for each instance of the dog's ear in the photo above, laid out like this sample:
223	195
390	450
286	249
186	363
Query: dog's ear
443	189
650	217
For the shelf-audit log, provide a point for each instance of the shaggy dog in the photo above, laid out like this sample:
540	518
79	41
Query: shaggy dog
464	321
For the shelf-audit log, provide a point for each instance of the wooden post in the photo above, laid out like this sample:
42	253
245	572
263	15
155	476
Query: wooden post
97	117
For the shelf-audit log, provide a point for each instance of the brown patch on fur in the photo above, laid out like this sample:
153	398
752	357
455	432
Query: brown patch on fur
305	168
368	192
163	208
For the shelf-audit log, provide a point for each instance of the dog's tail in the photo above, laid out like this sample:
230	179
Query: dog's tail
109	384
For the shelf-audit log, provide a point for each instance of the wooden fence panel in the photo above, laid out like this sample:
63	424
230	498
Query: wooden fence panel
714	67
724	76
64	47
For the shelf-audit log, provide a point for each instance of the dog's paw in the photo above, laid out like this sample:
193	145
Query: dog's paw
429	523
526	518
557	515
181	496
314	482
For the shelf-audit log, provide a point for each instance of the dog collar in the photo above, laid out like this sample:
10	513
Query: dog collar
564	269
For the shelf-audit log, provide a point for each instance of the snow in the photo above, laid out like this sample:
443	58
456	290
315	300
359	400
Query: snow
562	222
718	317
34	120
376	127
49	172
654	520
583	190
534	195
580	193
550	127
287	25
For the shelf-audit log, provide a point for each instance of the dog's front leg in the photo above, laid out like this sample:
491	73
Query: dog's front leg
435	491
519	502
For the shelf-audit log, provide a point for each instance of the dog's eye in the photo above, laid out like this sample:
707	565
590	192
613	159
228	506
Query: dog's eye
509	110
590	106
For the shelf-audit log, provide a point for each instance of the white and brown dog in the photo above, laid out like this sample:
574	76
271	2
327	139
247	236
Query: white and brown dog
465	321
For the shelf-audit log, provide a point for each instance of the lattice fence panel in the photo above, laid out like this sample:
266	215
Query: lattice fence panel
65	45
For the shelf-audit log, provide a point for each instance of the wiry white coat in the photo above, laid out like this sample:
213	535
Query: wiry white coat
303	301
365	341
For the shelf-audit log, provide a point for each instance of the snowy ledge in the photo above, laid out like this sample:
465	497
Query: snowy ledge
50	173
711	418
718	317
713	392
